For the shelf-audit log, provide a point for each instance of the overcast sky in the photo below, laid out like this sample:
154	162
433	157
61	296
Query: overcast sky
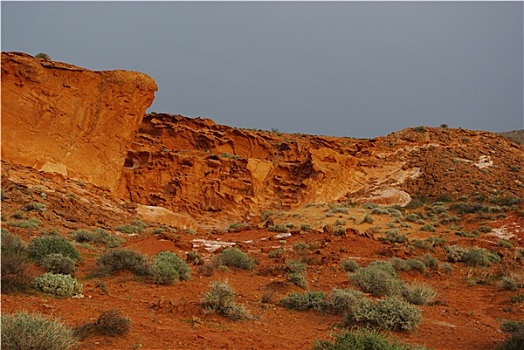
360	69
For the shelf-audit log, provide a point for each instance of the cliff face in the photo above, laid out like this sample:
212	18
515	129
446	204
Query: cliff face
65	119
216	172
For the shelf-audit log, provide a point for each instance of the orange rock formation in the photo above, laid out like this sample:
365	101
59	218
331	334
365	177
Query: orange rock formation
65	119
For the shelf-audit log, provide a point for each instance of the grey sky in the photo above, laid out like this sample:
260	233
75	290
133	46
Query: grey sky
359	69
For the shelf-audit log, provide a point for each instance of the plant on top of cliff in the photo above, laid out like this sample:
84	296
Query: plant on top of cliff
43	56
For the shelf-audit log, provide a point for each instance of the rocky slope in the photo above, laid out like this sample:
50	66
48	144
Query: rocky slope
65	119
223	174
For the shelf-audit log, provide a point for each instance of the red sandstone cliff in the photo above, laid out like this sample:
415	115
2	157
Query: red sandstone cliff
61	118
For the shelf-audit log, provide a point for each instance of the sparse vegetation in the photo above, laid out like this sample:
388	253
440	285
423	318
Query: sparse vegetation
515	330
112	323
98	236
221	299
43	56
23	331
14	262
362	339
342	301
136	227
419	294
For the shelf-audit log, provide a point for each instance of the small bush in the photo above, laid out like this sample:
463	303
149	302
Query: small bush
408	265
57	284
362	339
194	258
480	257
98	236
57	263
455	253
29	223
276	253
112	323
419	294
123	259
234	257
515	330
221	299
169	268
39	247
378	278
429	261
350	265
278	228
342	301
35	206
307	301
14	263
43	56
306	227
390	313
394	236
135	227
296	273
23	331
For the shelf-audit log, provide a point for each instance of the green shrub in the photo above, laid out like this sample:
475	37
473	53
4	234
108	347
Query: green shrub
98	236
368	219
307	301
43	56
378	278
14	263
296	273
419	294
447	268
455	253
428	227
306	227
194	258
57	284
123	259
362	339
505	243
221	299
480	257
342	301
350	265
29	223
39	247
23	331
276	253
234	257
300	247
429	261
57	263
35	206
394	236
278	228
408	265
137	226
169	268
515	330
390	313
413	217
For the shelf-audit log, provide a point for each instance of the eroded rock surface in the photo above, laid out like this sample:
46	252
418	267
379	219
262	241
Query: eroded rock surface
65	119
